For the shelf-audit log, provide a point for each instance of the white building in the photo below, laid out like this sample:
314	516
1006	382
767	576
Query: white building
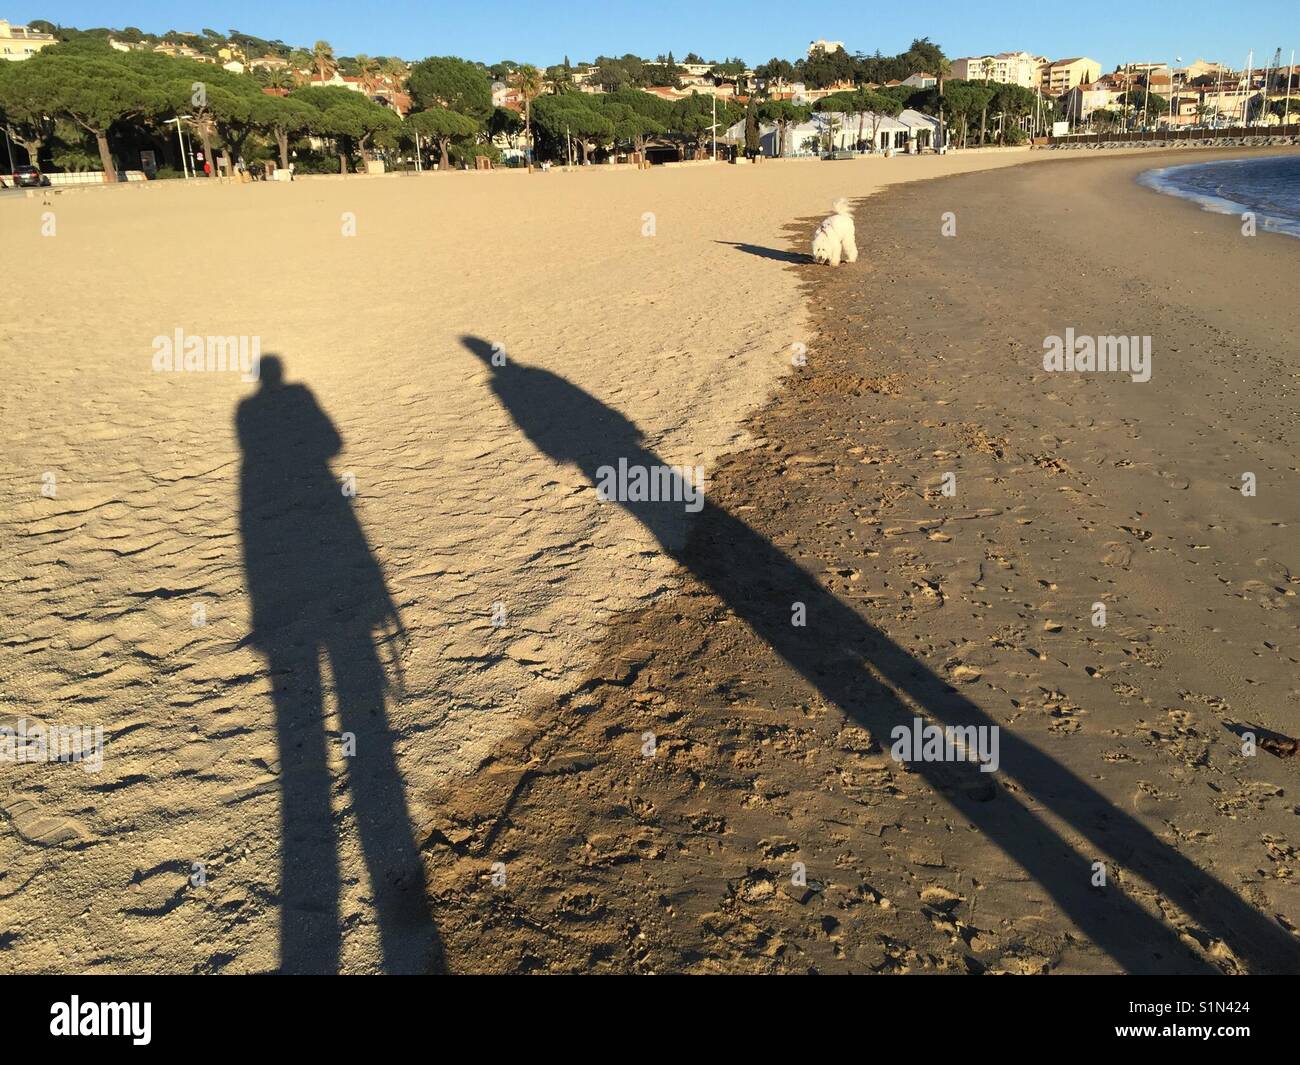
911	131
923	130
875	132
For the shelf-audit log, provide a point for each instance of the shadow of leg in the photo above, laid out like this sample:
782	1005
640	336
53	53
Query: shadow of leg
309	878
881	686
407	933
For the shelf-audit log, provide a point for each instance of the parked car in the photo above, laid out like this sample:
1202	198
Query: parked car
28	177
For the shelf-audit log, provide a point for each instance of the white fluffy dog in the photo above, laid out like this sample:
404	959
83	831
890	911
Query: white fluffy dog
834	238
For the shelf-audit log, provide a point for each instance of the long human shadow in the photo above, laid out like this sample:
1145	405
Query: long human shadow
880	685
767	253
317	590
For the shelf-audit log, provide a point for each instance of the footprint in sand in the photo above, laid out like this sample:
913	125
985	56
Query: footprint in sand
1118	555
44	828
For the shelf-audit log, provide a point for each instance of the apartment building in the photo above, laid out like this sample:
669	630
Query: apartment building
1059	77
22	42
1199	68
1005	68
1147	68
1079	103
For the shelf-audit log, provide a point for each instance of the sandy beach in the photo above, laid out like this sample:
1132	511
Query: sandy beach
187	581
136	517
1122	743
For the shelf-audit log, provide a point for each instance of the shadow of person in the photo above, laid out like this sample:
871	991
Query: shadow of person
317	590
882	687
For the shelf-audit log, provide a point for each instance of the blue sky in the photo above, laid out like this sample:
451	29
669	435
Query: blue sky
543	31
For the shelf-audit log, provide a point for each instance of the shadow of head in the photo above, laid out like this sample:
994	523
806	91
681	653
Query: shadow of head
270	371
479	347
574	428
560	419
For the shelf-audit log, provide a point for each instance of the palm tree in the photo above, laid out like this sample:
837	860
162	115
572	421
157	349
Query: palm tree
527	81
396	72
322	57
945	70
368	74
834	122
300	64
393	73
281	79
559	79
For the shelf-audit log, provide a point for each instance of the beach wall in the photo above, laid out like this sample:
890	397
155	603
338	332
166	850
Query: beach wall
1233	137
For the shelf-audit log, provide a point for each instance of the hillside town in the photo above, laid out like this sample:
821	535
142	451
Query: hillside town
451	112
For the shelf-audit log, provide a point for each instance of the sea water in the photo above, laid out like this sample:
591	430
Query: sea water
1269	186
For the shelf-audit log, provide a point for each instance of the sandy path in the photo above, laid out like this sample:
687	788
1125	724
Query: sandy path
683	331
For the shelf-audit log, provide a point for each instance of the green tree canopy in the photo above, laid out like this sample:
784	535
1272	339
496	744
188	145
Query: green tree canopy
629	125
505	122
455	84
775	70
347	116
93	86
443	126
24	110
691	119
282	118
645	103
214	99
571	115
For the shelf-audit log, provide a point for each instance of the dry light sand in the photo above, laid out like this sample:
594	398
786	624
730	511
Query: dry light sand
684	331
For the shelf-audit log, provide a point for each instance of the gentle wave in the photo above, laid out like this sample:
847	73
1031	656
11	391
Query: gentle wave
1268	186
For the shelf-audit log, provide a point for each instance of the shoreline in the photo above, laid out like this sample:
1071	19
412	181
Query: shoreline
1068	495
1161	181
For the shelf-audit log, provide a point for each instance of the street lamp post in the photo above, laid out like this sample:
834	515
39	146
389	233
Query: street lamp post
1245	96
1177	59
180	139
715	128
1286	107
